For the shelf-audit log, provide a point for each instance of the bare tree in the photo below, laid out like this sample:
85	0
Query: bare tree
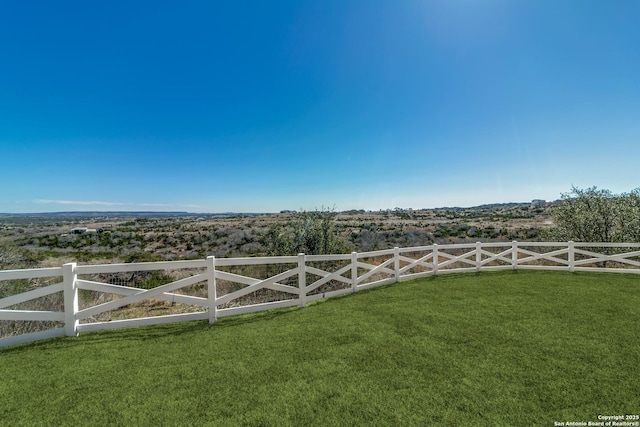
598	215
312	233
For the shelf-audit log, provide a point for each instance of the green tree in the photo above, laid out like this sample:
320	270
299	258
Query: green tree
311	233
597	215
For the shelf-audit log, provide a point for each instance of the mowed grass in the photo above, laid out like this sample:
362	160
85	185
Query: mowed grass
505	348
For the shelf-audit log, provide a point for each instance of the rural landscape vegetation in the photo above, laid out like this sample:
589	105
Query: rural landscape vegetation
125	237
33	240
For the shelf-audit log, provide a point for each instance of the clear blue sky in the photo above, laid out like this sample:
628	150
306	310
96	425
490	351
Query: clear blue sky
256	106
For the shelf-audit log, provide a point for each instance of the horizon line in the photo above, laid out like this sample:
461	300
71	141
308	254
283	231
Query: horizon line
257	212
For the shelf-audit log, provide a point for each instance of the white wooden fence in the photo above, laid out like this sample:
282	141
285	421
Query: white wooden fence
216	287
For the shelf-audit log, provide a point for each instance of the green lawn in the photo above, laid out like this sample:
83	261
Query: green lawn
505	348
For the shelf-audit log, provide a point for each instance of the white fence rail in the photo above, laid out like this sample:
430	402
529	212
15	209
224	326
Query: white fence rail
213	288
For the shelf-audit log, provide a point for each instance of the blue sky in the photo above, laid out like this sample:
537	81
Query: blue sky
254	106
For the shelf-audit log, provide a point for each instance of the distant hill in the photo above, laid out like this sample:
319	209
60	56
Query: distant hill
102	214
92	214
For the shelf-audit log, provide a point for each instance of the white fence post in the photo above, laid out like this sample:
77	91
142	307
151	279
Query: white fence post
478	255
435	258
396	263
212	294
302	279
70	278
354	271
572	256
514	254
